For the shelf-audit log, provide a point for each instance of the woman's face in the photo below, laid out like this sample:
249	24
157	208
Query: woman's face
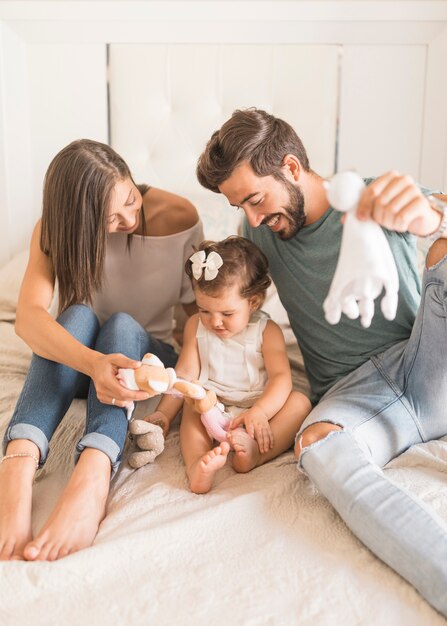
125	208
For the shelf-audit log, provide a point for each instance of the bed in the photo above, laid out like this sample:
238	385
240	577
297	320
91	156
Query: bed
261	549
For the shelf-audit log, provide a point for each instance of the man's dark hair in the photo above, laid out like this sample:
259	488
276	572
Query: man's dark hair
250	135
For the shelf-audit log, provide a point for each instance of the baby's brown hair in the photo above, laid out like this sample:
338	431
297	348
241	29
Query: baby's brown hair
243	263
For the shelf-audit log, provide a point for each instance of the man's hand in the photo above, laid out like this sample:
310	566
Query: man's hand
395	202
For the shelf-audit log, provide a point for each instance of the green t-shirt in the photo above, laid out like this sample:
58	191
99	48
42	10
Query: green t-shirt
302	269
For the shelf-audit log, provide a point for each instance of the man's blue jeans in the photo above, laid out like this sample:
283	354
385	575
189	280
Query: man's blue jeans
393	401
50	387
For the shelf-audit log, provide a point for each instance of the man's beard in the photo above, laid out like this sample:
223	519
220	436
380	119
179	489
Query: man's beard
294	210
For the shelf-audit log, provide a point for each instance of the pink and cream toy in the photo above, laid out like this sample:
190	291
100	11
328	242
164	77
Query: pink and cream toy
151	377
155	379
365	265
212	412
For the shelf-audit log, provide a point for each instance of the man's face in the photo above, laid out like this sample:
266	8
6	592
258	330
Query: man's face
266	200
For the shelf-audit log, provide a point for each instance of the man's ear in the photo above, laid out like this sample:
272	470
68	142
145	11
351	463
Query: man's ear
291	167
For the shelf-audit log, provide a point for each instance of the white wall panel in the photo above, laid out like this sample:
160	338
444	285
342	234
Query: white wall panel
50	95
63	110
394	61
434	139
381	109
186	92
15	145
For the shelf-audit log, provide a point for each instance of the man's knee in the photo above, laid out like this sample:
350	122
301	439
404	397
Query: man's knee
436	253
314	433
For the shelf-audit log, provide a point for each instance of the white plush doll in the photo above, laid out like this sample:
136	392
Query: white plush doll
365	265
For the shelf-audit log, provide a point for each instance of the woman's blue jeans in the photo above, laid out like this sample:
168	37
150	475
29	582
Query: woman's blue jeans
50	387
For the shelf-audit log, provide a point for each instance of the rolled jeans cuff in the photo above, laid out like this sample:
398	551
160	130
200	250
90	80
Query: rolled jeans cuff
32	433
103	443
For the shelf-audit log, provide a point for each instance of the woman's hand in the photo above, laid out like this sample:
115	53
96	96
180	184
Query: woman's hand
108	389
257	426
395	202
160	419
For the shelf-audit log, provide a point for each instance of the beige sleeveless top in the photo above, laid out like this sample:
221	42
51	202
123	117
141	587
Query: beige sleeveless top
148	280
234	368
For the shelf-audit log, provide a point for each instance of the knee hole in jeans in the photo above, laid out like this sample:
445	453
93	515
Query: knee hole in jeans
312	434
436	253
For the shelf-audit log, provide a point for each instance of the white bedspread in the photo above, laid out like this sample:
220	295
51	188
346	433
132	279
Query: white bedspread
262	549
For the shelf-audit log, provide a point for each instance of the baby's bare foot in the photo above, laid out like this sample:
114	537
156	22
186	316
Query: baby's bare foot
16	479
246	450
74	523
201	474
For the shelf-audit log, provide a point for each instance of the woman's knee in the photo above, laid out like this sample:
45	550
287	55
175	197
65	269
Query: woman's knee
123	325
121	322
312	434
122	333
81	322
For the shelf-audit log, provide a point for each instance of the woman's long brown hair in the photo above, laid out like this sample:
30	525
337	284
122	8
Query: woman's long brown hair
76	199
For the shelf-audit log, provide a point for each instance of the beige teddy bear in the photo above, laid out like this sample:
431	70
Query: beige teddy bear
149	439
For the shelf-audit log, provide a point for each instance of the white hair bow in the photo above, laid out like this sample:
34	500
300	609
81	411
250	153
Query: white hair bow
210	264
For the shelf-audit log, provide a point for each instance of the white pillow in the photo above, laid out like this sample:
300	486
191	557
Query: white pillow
273	306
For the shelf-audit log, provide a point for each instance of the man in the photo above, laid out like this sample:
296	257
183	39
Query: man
375	391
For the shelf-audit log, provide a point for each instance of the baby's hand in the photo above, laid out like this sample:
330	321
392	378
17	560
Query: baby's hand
257	426
160	419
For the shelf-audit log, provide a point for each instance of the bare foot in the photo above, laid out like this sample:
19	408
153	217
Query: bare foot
246	450
74	523
201	474
16	479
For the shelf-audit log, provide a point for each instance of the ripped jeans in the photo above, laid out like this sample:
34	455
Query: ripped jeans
395	400
50	387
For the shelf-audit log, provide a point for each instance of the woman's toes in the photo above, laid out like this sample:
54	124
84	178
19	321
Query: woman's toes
53	553
31	552
63	552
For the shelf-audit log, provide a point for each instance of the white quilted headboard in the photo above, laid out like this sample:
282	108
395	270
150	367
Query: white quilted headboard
164	110
362	82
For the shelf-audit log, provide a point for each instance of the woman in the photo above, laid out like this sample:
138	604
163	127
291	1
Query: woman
117	253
